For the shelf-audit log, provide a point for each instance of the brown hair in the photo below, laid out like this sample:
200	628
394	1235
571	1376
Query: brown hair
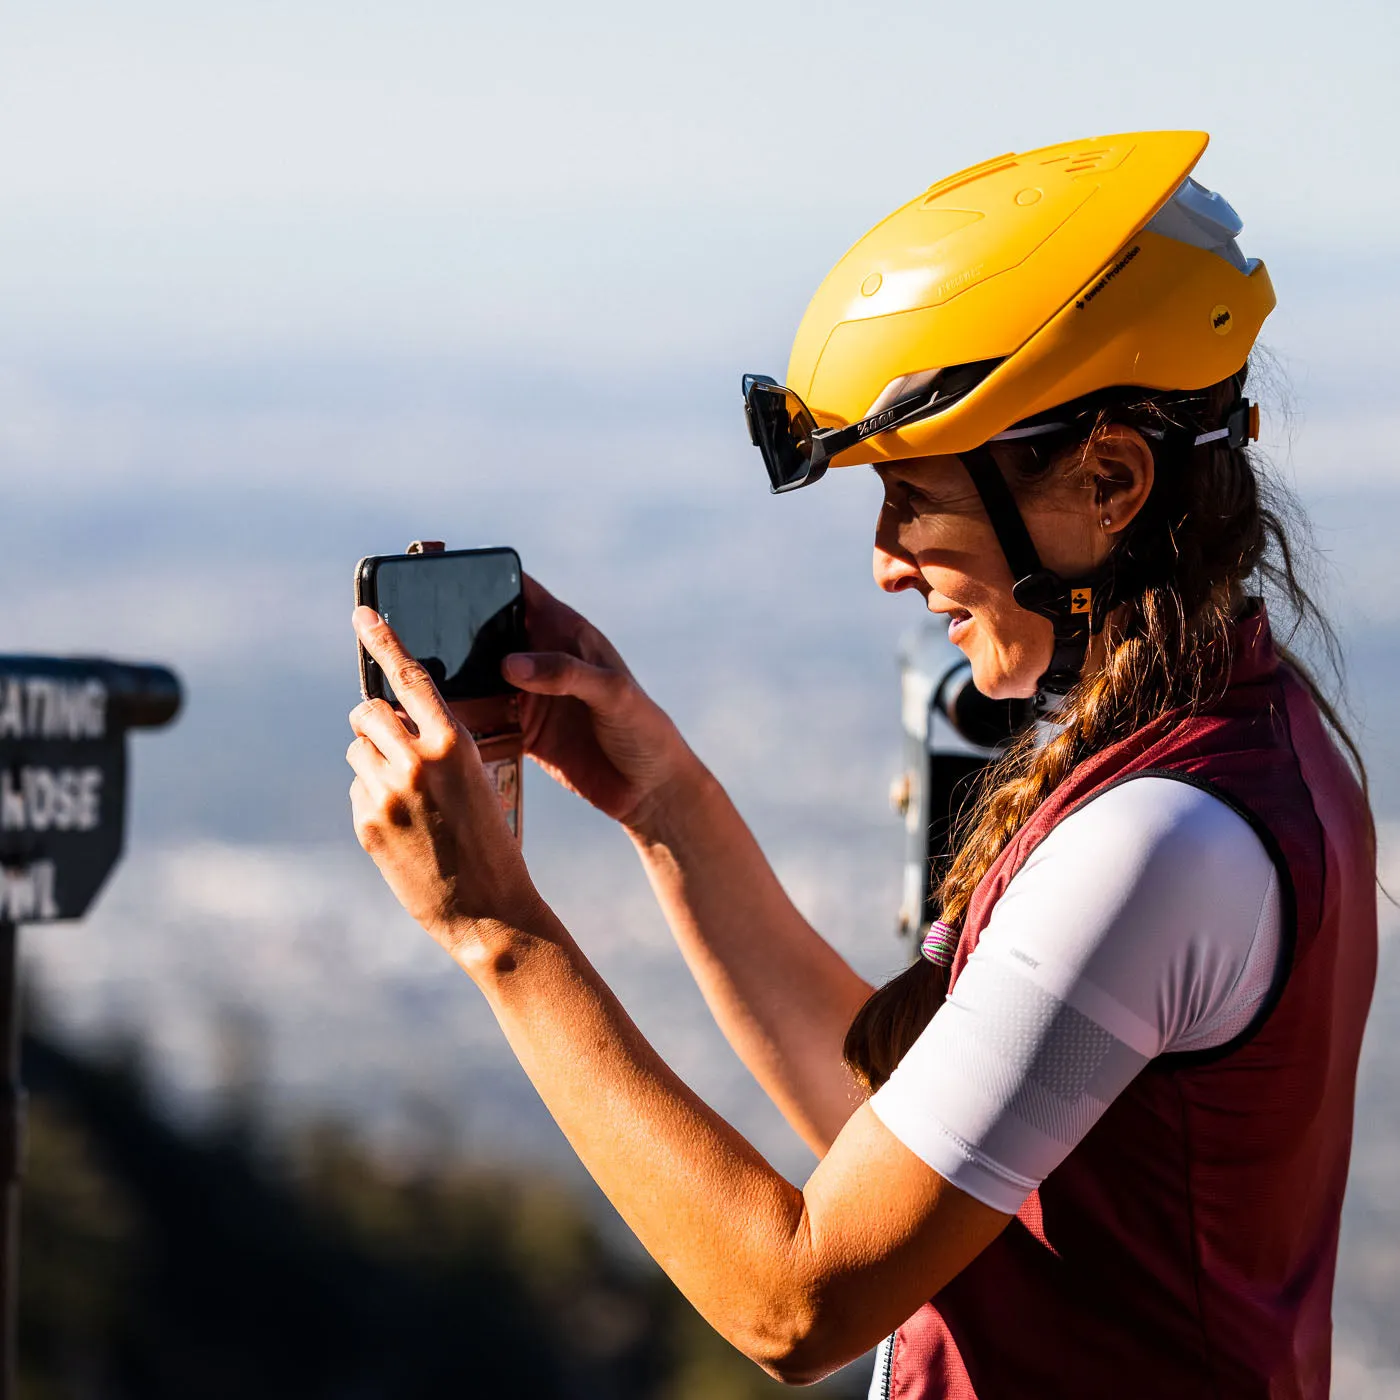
1210	525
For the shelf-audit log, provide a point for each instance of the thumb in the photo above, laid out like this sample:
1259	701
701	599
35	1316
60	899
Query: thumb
558	673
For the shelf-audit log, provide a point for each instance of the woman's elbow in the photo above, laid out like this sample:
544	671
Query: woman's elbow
797	1368
798	1348
797	1375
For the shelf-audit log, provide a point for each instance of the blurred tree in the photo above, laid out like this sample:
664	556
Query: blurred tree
168	1263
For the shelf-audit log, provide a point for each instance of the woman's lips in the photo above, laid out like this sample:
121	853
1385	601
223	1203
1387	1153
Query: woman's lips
959	621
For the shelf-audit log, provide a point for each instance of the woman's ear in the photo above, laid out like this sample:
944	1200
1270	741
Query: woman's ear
1123	472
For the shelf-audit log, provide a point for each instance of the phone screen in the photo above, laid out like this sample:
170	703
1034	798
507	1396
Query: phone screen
458	613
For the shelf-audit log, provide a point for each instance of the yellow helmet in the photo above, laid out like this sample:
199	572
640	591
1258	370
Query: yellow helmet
1000	304
1020	284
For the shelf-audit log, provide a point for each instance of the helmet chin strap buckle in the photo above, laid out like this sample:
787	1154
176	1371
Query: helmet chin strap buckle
1075	607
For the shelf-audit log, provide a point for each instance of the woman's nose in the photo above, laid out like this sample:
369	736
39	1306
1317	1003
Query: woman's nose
894	570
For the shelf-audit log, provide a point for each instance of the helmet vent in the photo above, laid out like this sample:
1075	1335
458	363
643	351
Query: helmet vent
967	177
1090	160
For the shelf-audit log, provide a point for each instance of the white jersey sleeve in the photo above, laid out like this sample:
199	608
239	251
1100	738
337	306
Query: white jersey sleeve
1146	922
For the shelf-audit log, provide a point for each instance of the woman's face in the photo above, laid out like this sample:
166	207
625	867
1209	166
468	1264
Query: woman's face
933	536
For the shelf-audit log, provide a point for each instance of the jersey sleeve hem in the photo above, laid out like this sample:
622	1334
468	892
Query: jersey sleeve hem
955	1159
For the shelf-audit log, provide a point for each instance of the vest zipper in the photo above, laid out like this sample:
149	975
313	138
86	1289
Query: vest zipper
884	1367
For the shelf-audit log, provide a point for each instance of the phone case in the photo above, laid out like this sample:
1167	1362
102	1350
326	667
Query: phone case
492	720
364	597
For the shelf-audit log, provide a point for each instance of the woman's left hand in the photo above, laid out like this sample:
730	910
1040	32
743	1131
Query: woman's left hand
425	810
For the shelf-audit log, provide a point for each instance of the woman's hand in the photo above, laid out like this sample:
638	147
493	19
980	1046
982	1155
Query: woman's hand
587	722
425	810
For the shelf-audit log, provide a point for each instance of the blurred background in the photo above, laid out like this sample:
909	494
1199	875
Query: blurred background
289	283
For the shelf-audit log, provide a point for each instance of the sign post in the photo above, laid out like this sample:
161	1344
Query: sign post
63	724
11	1151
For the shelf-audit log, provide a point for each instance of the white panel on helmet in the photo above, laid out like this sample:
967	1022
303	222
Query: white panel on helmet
904	387
1204	219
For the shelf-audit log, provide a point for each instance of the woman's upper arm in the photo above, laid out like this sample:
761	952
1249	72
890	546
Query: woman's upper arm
1143	924
883	1232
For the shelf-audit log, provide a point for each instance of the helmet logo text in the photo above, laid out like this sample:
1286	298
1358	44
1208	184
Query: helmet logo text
1108	276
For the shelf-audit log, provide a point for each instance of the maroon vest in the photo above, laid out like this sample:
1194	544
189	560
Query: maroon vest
1187	1246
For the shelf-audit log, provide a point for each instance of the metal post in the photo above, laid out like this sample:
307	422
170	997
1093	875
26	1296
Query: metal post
11	1153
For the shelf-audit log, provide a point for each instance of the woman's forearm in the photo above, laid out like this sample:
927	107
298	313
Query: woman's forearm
800	1281
716	1217
780	993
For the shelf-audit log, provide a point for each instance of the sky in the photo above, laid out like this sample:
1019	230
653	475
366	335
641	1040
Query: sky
615	177
288	283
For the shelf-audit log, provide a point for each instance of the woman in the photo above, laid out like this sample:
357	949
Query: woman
1094	1142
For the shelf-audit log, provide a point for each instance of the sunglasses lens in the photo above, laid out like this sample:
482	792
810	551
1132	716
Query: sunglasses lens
782	429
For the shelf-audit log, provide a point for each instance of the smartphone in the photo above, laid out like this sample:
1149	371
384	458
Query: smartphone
458	612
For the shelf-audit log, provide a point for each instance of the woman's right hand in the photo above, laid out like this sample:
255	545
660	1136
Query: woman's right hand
587	722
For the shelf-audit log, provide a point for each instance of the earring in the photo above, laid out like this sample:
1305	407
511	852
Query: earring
1108	522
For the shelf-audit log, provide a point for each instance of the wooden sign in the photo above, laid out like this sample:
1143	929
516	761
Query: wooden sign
63	724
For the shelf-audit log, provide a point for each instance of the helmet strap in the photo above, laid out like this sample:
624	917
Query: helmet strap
1075	607
1078	607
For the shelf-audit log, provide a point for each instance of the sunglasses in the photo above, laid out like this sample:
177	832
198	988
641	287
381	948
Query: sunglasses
797	452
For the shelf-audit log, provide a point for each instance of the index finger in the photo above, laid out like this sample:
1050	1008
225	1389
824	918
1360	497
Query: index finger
412	685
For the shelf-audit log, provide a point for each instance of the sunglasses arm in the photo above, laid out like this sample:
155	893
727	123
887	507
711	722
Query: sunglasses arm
829	442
